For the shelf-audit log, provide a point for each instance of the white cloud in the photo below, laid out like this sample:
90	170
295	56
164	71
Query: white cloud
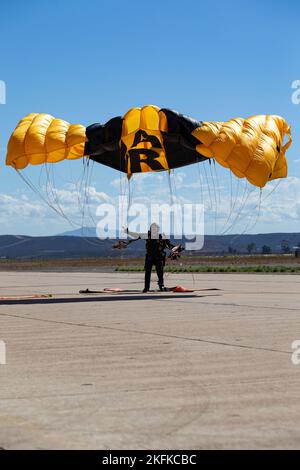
56	210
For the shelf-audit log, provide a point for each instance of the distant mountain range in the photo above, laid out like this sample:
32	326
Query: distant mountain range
80	232
73	245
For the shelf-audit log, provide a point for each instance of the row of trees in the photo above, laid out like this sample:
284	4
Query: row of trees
266	249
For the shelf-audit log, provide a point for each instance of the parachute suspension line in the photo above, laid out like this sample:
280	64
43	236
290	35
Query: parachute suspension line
40	176
37	191
272	190
85	198
51	187
87	201
175	185
245	197
236	197
48	188
233	202
217	181
129	198
176	201
51	190
88	193
123	194
200	182
57	200
170	187
208	187
213	183
82	182
81	194
239	215
124	197
87	215
131	188
85	188
120	194
257	210
231	192
219	187
213	200
33	188
80	188
80	191
171	192
257	215
236	216
46	198
215	196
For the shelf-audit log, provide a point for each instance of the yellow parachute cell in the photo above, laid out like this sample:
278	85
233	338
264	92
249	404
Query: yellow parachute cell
252	148
141	132
40	138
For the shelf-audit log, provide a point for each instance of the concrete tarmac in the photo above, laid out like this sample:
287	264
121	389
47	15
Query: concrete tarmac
155	371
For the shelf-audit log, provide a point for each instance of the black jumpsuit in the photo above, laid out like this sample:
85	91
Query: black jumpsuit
156	256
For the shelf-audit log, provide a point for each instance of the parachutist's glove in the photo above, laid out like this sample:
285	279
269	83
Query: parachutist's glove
121	244
178	248
175	252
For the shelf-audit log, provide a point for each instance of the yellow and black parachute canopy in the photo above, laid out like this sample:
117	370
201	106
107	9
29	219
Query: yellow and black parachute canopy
157	139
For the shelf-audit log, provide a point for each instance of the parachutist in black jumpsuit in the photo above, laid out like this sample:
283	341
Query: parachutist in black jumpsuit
155	256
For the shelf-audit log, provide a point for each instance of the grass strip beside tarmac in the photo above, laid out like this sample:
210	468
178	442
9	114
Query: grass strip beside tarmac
218	269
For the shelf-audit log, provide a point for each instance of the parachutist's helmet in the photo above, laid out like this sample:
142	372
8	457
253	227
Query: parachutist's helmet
154	230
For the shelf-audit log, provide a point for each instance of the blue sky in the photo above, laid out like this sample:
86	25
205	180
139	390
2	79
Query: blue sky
87	61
